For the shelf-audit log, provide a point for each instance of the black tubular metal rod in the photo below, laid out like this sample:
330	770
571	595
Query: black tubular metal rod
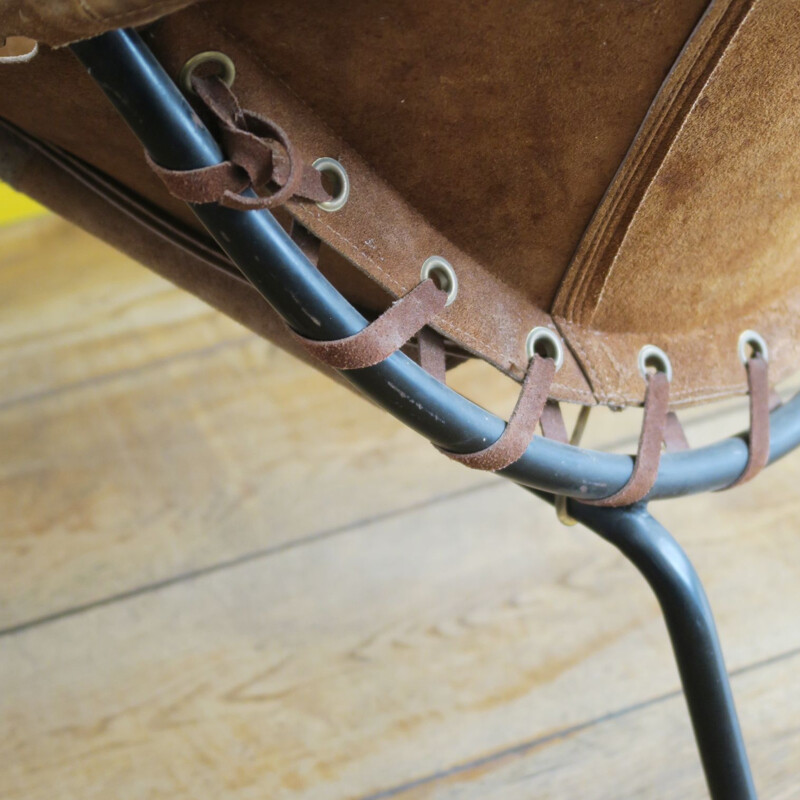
133	80
706	686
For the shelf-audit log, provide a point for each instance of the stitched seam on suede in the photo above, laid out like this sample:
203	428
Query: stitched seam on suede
403	289
595	377
122	15
389	278
612	396
446	324
503	356
580	285
578	360
578	394
602	396
711	390
87	11
580	290
648	158
585	363
698	392
665	134
724	390
589	368
715	390
625	203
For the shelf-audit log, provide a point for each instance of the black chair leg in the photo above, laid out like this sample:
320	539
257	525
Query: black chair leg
662	561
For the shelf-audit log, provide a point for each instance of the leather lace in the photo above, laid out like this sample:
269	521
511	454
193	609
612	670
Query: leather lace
760	399
658	426
260	156
521	427
388	333
648	453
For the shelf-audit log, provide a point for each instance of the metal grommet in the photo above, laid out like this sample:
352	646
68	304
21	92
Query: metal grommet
442	272
756	343
543	339
227	71
652	357
330	166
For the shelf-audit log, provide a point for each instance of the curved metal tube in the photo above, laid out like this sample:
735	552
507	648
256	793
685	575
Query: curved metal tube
159	115
667	569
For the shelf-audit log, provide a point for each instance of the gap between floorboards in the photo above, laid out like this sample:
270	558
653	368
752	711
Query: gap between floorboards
244	558
523	748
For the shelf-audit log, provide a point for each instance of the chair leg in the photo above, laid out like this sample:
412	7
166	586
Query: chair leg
665	566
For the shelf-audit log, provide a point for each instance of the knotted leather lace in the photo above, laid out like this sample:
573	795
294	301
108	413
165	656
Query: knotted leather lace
260	156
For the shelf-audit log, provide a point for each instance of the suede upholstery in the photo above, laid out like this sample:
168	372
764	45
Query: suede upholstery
698	238
623	171
59	22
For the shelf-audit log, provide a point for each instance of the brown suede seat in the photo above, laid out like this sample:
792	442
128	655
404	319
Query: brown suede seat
625	173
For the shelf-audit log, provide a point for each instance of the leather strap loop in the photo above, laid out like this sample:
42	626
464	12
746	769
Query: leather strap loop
432	355
198	186
521	427
648	455
674	435
552	422
760	399
306	241
259	152
385	335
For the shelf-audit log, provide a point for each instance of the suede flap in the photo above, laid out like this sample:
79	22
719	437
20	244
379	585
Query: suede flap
59	22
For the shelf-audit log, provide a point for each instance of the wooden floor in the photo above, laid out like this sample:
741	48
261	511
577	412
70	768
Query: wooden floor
224	576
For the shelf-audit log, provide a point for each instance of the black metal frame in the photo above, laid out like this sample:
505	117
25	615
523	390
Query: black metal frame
673	579
165	123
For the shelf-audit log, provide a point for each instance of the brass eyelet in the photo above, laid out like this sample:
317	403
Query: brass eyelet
755	342
227	68
543	341
330	166
652	357
442	272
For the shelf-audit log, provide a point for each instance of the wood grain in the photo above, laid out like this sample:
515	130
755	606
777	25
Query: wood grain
638	753
223	575
392	652
144	436
72	311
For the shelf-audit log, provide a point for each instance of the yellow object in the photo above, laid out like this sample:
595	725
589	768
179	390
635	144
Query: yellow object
15	206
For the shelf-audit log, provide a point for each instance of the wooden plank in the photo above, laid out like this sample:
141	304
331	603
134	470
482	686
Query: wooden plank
73	310
643	752
144	435
394	651
189	463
